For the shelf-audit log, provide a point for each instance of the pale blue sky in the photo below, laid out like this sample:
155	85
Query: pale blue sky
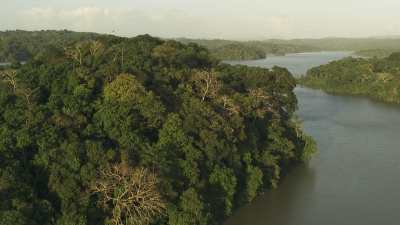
232	19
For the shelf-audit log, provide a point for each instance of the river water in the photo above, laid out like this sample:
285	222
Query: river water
355	177
297	63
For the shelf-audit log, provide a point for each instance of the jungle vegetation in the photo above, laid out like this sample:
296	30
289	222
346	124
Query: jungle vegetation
376	78
239	52
140	131
20	46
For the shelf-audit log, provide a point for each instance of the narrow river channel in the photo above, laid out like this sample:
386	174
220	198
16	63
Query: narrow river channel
355	177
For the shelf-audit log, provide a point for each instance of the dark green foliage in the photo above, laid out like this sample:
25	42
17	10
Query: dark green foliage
375	78
215	135
23	45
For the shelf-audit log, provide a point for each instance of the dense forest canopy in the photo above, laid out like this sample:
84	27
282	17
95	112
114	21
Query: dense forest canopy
140	131
239	52
23	45
376	78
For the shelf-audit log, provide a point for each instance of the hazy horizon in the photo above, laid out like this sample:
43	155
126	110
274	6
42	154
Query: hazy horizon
225	19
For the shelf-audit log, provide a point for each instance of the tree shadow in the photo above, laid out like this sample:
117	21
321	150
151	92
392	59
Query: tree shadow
282	206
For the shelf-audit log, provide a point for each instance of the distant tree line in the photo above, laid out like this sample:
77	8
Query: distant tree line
247	50
378	53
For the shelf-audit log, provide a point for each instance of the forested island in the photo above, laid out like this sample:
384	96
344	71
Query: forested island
376	78
111	130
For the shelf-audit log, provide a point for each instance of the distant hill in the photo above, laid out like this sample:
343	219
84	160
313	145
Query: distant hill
21	45
247	50
348	44
378	53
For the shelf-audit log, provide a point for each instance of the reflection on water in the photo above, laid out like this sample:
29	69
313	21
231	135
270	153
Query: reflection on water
354	179
283	210
297	63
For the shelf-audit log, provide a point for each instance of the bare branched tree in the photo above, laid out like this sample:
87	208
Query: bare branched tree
229	105
27	93
75	53
259	94
207	83
10	77
265	100
95	48
131	194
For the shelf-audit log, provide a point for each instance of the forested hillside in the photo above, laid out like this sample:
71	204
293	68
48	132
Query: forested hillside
239	52
140	131
376	78
248	50
23	45
378	53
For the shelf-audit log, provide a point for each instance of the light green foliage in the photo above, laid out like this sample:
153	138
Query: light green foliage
254	178
310	148
224	182
124	89
189	210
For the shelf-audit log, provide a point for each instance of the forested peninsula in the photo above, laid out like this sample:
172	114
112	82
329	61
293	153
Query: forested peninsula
248	50
140	131
376	78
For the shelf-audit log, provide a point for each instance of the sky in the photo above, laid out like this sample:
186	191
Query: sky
224	19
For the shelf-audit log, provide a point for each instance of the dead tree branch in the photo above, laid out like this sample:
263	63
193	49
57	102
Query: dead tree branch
131	194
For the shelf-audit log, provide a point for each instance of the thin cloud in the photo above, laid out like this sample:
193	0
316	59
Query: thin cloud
165	23
251	21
